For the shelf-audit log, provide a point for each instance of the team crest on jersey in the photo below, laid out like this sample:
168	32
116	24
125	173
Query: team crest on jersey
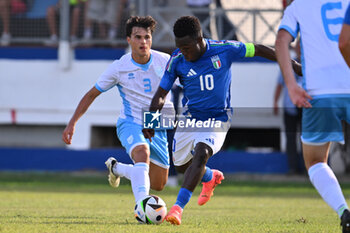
131	76
216	62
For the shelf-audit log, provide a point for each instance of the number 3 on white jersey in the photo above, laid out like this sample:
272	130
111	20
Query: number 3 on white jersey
208	81
147	84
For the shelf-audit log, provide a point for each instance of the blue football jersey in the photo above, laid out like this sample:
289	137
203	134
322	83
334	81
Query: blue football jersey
206	82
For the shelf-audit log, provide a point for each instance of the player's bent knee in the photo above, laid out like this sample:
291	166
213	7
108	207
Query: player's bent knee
201	157
202	151
143	148
140	153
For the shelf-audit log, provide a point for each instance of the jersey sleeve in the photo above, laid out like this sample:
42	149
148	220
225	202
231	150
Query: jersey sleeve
240	50
289	21
347	16
169	76
109	78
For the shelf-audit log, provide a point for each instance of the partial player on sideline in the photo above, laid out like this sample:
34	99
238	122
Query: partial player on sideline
325	95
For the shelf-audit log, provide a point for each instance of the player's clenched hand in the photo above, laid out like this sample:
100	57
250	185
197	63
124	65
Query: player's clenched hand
68	134
299	97
148	133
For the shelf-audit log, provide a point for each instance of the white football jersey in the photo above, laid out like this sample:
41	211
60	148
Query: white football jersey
137	83
319	23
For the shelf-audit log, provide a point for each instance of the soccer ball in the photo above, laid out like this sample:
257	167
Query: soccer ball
150	210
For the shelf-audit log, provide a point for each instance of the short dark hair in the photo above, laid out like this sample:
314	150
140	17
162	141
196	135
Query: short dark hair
187	26
143	22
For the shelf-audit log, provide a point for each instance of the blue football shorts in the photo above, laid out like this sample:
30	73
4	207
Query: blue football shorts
130	135
322	123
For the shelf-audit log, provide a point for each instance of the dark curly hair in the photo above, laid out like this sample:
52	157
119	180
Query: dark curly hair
187	26
137	21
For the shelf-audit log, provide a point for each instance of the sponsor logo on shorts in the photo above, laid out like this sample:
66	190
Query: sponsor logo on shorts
130	139
210	140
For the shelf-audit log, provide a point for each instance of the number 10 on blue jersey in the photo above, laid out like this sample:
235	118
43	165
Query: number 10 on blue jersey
207	82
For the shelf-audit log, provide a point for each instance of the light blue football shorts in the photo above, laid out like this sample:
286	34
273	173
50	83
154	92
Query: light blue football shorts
130	135
322	123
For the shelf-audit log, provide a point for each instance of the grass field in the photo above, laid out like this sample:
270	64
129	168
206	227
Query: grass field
86	203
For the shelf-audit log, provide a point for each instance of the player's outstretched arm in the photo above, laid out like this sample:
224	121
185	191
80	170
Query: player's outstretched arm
269	53
297	94
157	103
344	43
83	105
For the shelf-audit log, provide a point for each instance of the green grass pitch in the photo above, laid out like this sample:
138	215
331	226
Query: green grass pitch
85	203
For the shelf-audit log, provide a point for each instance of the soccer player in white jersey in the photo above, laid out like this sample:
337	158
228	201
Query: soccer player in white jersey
325	95
137	76
203	67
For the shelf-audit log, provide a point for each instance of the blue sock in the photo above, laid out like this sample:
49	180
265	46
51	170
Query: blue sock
208	175
183	197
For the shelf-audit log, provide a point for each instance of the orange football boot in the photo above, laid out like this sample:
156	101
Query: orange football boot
208	187
174	215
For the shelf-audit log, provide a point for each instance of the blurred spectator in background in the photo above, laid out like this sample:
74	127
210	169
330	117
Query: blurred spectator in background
107	14
291	121
8	8
76	7
5	17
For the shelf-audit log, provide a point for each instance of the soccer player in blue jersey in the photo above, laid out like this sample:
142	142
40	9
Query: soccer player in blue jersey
344	37
203	68
325	95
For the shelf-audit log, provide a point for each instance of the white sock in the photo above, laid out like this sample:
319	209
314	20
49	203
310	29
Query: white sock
140	180
123	170
324	180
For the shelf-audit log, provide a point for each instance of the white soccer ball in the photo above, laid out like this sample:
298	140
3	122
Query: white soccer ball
150	210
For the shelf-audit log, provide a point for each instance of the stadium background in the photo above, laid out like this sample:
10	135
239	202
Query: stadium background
41	85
